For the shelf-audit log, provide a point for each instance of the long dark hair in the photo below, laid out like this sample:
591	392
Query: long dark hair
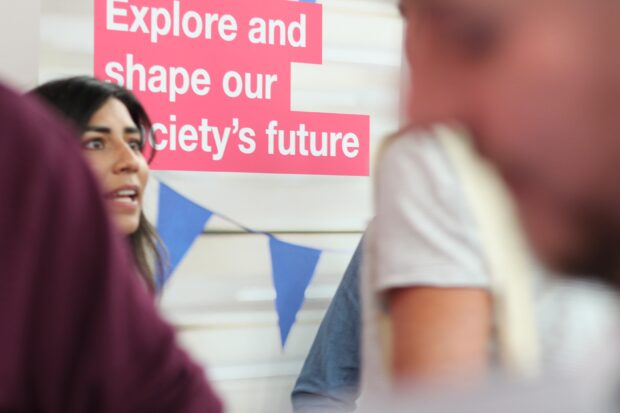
78	98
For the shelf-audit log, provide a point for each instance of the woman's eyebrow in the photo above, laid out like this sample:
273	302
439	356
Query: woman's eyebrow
131	129
105	129
100	129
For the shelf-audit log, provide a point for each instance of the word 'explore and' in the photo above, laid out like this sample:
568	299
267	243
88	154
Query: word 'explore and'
158	22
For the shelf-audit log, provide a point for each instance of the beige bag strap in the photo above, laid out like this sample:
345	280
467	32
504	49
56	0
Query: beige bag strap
508	257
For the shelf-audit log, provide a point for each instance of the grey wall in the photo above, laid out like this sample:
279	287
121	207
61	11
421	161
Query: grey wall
19	42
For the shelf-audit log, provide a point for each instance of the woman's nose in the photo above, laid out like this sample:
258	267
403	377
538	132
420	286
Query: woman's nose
126	159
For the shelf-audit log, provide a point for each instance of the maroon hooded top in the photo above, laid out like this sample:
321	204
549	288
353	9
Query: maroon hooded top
78	333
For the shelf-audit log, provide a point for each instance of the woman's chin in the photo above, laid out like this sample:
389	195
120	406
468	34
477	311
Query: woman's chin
127	225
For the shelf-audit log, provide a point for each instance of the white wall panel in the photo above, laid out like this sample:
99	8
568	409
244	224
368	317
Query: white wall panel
19	42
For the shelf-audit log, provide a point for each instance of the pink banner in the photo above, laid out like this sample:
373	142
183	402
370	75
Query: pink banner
215	77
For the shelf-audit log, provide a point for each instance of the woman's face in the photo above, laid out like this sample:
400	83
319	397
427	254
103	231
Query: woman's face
112	144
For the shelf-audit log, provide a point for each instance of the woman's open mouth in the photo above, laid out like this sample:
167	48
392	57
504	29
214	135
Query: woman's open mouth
126	197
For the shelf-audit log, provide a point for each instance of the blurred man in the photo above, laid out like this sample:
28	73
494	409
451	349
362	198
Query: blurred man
537	82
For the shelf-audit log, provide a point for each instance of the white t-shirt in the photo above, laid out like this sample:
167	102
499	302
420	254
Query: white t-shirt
424	234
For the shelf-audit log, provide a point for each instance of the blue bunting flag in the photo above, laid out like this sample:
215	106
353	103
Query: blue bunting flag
179	223
293	268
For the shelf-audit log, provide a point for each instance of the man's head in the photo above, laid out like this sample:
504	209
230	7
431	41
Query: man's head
537	82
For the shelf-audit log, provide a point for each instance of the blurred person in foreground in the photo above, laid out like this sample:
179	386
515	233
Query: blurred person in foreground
537	83
78	332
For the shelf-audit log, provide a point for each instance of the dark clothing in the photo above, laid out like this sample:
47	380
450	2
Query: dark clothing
329	380
78	333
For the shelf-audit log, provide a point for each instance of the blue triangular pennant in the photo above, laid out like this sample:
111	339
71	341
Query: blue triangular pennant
293	267
179	223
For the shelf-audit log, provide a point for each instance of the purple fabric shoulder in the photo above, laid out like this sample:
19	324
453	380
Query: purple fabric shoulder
78	333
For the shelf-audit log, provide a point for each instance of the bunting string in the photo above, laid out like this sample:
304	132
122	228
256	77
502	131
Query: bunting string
181	221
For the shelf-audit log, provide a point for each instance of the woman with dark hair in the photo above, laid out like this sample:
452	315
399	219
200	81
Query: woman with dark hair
114	127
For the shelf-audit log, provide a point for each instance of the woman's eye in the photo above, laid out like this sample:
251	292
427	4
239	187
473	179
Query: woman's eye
93	144
136	145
